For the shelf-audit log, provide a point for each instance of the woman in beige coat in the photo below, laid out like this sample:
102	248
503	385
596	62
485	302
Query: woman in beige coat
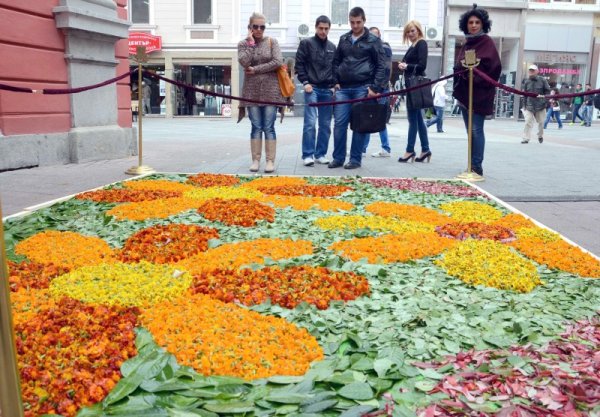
260	57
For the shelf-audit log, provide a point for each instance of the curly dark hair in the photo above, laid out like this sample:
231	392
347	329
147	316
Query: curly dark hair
481	14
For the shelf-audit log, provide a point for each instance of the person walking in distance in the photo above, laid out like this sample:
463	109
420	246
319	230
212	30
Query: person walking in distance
577	102
146	94
260	57
476	24
439	103
359	71
314	68
534	108
588	106
553	110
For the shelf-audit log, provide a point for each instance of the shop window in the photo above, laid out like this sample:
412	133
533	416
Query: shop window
272	11
140	11
211	78
202	12
339	12
153	91
398	13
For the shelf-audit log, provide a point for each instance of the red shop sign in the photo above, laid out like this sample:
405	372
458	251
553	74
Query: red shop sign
151	42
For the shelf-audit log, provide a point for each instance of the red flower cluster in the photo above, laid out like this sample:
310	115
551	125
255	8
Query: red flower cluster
167	244
287	288
420	186
213	180
306	190
70	356
32	275
475	230
236	212
126	195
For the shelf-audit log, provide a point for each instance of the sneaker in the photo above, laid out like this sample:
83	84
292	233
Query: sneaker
477	170
352	165
335	164
540	139
582	124
308	162
381	154
322	160
525	141
571	124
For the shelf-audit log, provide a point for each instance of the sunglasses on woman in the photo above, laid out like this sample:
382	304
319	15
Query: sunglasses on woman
259	27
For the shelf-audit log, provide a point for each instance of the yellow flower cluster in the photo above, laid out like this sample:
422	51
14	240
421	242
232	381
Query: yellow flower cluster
306	203
164	185
223	193
377	223
122	284
216	338
155	209
471	211
274	182
65	249
28	302
408	212
538	233
234	255
393	248
492	264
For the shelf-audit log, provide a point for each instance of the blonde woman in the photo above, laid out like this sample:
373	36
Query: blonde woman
414	62
260	57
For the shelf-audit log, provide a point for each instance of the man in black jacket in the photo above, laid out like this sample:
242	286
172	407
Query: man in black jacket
359	71
314	68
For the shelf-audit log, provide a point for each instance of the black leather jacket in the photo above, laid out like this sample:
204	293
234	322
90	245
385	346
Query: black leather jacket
314	62
361	63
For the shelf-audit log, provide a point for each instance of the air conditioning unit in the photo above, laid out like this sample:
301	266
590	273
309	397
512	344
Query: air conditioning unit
434	33
303	31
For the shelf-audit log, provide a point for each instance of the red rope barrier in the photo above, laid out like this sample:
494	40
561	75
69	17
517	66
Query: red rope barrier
88	87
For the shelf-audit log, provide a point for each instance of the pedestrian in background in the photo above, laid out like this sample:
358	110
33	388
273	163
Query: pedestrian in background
260	57
577	102
588	106
553	110
534	108
414	62
475	24
146	95
314	68
439	104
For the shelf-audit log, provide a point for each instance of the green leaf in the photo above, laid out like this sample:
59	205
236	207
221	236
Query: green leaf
430	373
286	397
190	413
382	366
236	407
285	379
356	391
357	411
425	385
319	406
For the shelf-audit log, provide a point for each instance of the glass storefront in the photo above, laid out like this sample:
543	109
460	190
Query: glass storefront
151	87
214	78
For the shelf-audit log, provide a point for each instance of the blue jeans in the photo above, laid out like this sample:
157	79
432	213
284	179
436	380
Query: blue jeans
576	108
383	135
341	115
309	133
262	119
549	114
478	137
438	120
588	112
416	123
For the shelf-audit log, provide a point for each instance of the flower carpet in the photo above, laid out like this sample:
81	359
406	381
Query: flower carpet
212	295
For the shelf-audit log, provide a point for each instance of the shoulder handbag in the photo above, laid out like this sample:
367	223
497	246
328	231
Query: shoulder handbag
286	85
420	98
368	117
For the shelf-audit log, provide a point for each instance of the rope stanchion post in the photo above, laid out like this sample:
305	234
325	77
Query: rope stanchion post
470	62
140	169
10	387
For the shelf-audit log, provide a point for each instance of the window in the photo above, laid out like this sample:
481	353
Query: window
272	9
398	13
140	11
202	12
339	12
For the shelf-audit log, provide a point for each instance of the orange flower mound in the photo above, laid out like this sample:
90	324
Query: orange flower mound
408	212
514	221
288	287
213	180
167	244
32	275
126	195
274	182
164	185
312	190
307	203
26	303
69	356
393	248
68	250
559	255
236	212
156	209
234	255
217	338
475	230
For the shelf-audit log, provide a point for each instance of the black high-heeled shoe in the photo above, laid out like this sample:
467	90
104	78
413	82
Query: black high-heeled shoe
410	158
422	158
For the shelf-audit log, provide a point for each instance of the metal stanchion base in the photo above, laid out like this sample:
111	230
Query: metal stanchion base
139	170
470	176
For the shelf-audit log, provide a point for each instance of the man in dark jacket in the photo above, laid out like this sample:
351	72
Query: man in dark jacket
359	71
314	68
534	108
